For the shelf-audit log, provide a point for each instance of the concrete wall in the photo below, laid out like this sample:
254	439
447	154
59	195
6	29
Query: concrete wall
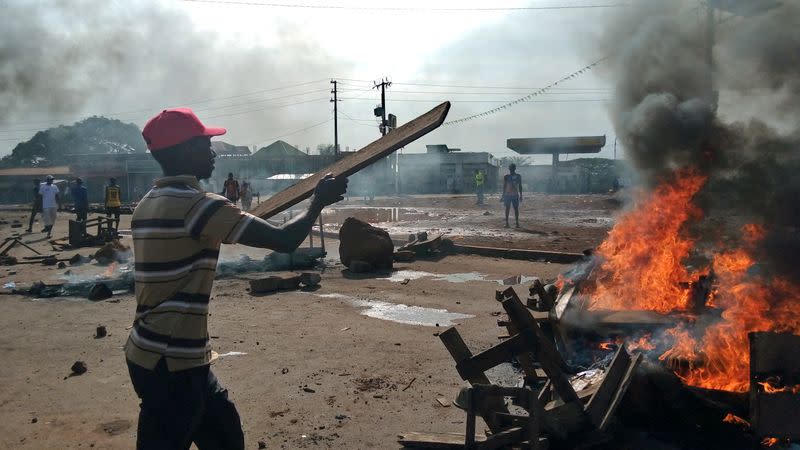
439	173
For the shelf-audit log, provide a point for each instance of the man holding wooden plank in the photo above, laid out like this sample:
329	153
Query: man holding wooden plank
177	231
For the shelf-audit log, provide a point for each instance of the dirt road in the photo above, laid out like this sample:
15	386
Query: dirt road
350	365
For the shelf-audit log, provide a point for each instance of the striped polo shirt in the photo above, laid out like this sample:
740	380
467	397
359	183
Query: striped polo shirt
177	231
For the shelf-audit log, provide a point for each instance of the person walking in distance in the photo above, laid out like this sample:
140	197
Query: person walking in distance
480	178
230	189
80	200
177	230
512	192
51	203
246	195
113	202
36	206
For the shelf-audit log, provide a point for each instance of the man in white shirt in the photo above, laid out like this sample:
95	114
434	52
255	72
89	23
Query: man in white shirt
50	204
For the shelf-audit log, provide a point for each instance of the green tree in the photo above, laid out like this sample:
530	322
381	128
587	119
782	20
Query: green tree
518	160
95	135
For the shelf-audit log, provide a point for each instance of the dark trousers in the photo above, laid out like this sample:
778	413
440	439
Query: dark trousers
81	214
34	211
179	408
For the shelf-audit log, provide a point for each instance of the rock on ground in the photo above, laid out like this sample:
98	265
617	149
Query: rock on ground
360	241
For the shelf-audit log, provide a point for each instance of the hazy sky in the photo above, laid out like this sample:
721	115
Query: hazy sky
263	71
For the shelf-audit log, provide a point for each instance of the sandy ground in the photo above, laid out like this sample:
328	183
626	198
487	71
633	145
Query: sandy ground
570	223
338	367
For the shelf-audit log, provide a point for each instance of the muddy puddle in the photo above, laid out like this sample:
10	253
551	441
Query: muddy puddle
375	214
400	313
403	275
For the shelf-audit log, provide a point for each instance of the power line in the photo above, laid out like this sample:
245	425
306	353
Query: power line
530	96
296	131
500	93
151	109
463	86
575	100
408	9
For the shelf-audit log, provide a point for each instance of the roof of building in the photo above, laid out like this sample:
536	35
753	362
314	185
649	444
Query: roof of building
541	146
278	149
222	148
34	171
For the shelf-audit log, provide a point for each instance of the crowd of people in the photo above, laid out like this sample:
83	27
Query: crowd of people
48	200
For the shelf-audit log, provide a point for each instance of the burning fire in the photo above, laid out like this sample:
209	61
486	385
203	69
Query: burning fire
110	270
733	418
769	441
642	268
770	389
643	253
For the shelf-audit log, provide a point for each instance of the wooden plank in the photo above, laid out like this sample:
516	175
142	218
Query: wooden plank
621	390
460	352
544	349
773	353
447	441
352	163
599	403
443	441
500	353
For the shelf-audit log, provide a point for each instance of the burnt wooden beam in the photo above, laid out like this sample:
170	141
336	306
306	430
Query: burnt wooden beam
460	352
543	349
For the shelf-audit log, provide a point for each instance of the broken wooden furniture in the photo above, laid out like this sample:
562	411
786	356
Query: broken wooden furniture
7	245
354	162
775	385
525	435
426	247
566	415
80	237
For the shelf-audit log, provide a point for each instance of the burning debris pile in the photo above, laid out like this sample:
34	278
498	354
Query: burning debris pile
593	378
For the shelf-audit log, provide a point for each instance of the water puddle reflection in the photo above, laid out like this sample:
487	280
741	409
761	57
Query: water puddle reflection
400	313
402	275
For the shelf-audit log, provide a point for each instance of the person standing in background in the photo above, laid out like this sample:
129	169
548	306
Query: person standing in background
512	192
113	201
231	189
246	195
479	181
50	204
80	200
36	207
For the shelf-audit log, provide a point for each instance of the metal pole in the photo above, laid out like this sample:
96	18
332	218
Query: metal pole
321	233
335	120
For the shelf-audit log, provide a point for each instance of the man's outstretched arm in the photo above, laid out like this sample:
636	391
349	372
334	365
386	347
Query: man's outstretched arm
287	237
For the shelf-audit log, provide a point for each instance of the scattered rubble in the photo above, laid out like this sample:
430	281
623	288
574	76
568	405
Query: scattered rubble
276	283
404	256
100	291
113	251
79	368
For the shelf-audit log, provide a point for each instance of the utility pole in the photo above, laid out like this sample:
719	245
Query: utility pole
335	119
383	85
615	147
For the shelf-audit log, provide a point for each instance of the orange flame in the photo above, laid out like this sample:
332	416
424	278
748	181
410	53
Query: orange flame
733	418
606	346
769	441
642	268
642	256
771	389
109	272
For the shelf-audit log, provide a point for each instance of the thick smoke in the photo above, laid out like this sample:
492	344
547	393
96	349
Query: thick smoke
735	118
61	60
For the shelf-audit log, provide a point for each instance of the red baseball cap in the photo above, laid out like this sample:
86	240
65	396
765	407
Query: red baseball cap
173	126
